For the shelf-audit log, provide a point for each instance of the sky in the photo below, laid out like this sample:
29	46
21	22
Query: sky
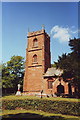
60	20
40	0
0	32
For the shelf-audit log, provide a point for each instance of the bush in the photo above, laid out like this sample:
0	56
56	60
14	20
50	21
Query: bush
58	107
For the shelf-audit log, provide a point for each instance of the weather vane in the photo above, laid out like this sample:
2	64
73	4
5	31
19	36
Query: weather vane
43	26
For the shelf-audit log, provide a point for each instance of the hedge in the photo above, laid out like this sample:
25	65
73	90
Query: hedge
58	107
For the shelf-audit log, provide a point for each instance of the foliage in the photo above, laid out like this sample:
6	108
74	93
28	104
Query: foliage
0	78
70	63
12	72
51	106
53	65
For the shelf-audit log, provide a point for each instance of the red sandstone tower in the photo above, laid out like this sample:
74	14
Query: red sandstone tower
37	61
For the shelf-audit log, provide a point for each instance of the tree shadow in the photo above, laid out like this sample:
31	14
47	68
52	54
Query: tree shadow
28	116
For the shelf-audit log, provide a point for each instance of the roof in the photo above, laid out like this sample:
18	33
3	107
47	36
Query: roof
53	72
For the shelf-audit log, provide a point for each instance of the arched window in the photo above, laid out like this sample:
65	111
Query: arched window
35	43
50	86
50	83
34	58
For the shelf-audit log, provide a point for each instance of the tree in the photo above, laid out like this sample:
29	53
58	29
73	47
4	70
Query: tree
13	72
0	80
70	63
75	55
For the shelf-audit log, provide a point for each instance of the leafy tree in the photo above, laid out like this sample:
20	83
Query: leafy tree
53	65
0	80
70	63
13	72
75	55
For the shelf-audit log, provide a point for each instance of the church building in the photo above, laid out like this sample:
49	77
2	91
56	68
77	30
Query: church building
39	75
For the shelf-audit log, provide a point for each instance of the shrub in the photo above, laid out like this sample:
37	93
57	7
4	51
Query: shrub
58	107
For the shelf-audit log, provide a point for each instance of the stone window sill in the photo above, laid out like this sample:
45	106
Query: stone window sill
35	63
50	88
35	47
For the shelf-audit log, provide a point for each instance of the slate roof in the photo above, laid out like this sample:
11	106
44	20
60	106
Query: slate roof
51	72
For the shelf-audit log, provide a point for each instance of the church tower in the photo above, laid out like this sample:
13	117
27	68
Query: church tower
37	61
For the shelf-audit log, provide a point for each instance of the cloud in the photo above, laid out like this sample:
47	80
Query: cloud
62	34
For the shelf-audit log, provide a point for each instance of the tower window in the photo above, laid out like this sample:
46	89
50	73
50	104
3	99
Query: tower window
35	43
35	59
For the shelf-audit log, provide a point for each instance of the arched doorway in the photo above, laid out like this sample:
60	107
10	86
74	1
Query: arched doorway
70	89
60	89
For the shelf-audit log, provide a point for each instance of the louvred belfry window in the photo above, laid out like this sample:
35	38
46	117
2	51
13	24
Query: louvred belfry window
35	43
34	58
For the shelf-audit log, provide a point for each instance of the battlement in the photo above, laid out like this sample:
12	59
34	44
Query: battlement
30	34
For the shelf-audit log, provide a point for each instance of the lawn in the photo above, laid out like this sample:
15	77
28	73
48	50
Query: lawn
36	114
35	97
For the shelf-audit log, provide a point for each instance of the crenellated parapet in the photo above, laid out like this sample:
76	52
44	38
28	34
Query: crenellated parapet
30	34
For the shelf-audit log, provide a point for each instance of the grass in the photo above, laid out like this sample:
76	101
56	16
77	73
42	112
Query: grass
31	114
35	97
